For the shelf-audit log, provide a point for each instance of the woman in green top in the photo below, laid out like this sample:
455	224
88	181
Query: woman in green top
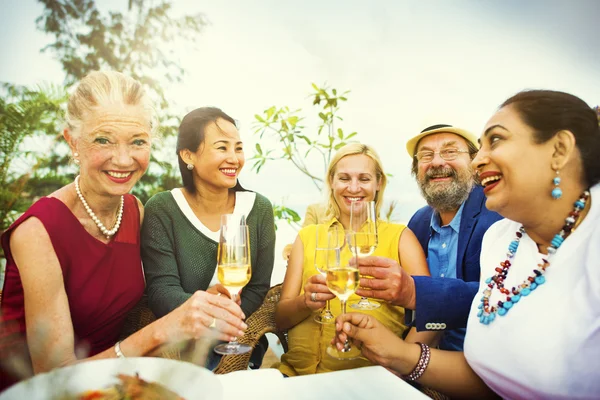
181	228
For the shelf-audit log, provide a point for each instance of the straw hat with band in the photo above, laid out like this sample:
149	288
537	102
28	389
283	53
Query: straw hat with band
411	145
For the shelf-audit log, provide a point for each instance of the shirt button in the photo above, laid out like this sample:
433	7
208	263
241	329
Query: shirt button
442	275
443	245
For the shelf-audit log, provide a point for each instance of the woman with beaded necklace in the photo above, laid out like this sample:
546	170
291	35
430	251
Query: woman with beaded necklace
73	259
534	327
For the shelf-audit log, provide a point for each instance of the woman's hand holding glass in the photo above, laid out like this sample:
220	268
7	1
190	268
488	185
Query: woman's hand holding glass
377	343
363	239
329	241
233	267
343	281
193	319
316	293
221	290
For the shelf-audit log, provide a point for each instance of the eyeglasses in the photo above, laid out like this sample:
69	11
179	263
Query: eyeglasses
426	156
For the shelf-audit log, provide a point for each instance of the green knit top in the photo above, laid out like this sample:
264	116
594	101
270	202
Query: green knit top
180	254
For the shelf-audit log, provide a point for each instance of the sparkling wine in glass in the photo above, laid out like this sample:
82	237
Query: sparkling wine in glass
362	239
233	267
327	255
343	281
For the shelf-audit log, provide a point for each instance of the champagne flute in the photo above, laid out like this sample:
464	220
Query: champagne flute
362	240
343	281
327	255
233	267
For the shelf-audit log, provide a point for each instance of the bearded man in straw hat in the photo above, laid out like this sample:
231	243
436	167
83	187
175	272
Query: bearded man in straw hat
450	229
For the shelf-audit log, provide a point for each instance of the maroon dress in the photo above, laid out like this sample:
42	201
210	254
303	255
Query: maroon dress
103	281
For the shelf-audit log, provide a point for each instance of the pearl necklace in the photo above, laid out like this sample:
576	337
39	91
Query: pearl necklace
487	313
107	232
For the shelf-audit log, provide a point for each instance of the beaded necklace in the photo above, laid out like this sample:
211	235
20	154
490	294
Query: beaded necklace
487	313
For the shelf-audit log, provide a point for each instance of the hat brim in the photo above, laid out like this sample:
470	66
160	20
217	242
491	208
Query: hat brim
411	145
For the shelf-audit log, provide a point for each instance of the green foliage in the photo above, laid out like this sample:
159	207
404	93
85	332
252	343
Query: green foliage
296	143
137	43
26	114
283	213
389	213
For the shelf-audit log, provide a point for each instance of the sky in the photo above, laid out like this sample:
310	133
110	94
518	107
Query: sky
408	65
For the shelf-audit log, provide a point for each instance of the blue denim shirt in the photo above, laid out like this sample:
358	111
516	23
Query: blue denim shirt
441	258
443	246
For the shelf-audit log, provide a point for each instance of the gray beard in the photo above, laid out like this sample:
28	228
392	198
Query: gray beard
445	197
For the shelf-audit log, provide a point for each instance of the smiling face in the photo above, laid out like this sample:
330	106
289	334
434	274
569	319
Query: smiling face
354	179
113	147
220	158
445	184
513	169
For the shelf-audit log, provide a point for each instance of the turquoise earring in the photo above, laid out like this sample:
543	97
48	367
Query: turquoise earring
557	191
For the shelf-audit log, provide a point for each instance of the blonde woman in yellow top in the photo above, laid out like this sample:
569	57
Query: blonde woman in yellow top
354	174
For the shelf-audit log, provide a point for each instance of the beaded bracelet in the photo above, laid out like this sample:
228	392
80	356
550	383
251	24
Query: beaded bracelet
421	364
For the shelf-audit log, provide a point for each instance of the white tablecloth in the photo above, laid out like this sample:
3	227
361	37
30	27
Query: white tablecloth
362	383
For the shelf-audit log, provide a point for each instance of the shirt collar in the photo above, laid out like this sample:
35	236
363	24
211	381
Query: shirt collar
436	221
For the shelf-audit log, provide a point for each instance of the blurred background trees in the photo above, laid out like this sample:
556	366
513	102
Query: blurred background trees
29	118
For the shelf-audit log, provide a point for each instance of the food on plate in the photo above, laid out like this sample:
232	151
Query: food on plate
131	388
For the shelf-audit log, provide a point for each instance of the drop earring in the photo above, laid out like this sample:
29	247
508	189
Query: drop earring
190	167
557	191
75	159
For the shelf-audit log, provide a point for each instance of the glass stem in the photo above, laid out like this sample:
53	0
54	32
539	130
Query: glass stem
347	342
327	308
234	342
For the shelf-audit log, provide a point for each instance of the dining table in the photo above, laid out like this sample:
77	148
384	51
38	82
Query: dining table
374	382
192	382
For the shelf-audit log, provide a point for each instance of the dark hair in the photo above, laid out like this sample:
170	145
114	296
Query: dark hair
549	112
470	146
191	135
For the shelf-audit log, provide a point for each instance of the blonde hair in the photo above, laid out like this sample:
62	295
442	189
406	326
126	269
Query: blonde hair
101	88
333	209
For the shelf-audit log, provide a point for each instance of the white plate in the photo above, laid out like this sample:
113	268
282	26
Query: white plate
187	380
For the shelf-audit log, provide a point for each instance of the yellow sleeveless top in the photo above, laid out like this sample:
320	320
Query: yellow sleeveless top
308	340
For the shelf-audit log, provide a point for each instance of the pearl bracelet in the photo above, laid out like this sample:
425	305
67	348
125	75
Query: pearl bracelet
421	364
118	351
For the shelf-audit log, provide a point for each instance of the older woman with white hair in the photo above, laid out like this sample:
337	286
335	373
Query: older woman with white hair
73	259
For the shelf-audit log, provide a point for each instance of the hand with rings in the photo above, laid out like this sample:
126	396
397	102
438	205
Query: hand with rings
316	292
198	316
